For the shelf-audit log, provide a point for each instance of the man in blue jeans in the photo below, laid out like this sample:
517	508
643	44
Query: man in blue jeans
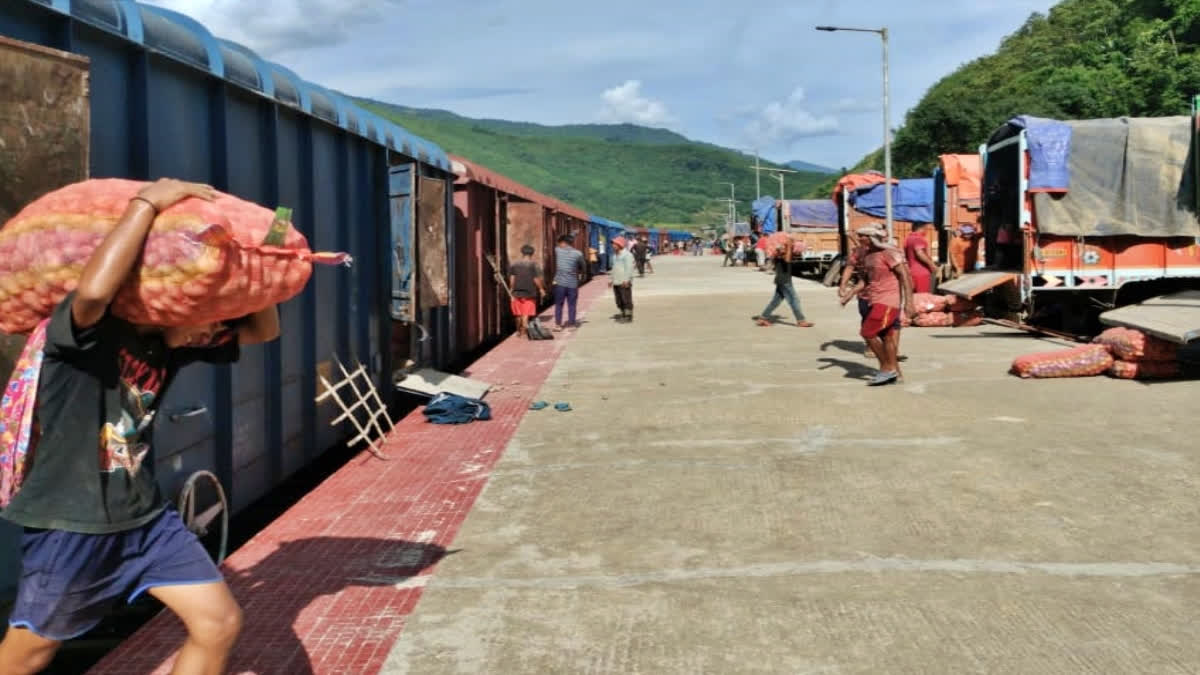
784	290
568	270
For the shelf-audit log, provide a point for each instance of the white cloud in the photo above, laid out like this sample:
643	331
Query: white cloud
785	122
625	103
278	26
855	105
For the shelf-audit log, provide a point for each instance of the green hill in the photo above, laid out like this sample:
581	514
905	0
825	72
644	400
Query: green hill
1084	59
624	172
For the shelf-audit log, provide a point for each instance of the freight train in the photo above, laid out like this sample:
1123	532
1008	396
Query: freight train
121	89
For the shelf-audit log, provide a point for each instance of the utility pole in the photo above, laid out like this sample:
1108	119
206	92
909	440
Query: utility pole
779	177
756	168
757	181
887	130
732	206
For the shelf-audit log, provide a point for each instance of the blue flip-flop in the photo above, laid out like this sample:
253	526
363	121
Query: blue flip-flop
562	407
538	405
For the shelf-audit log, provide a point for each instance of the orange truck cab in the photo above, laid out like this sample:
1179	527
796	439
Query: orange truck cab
1084	216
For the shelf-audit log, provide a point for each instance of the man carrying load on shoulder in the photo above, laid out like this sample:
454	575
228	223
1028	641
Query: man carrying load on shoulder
97	529
888	289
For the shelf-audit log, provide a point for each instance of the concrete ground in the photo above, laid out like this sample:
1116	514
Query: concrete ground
726	498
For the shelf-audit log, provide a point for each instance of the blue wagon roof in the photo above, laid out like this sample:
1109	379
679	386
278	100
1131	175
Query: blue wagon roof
185	39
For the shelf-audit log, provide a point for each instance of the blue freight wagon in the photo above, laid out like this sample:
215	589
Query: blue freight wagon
168	99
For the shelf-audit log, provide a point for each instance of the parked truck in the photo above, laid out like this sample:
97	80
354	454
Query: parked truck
1082	217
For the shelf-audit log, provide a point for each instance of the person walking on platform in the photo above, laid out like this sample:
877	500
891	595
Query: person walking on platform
525	281
641	250
785	290
568	270
98	532
621	281
888	290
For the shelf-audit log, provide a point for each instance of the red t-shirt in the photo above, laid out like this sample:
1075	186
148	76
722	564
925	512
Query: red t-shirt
912	244
883	287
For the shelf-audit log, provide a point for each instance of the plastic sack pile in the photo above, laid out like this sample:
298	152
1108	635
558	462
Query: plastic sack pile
1120	352
1140	356
202	261
943	311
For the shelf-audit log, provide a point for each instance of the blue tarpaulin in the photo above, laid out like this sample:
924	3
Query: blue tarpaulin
764	212
912	200
1049	150
813	213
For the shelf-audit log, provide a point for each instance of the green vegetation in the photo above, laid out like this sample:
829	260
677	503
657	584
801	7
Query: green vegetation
628	173
1085	59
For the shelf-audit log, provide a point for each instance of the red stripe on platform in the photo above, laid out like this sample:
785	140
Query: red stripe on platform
327	587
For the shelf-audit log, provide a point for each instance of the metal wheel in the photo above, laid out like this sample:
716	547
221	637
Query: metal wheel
200	523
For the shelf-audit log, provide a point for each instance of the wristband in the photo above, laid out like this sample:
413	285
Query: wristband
147	202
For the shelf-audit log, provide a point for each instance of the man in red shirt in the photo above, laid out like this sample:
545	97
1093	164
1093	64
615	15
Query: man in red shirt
889	288
920	265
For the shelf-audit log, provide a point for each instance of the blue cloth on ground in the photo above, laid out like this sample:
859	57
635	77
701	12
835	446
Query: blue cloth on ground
454	409
912	200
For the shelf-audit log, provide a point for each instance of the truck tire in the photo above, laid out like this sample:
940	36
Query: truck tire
834	274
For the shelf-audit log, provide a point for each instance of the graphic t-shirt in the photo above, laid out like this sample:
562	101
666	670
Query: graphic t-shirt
92	469
524	272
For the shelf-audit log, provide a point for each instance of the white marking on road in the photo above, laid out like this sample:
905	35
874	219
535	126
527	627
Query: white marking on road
867	565
1005	418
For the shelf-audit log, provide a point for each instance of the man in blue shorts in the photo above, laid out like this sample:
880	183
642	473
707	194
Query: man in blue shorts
97	529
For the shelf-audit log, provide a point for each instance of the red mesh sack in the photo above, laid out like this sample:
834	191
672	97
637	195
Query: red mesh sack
1128	344
1145	370
929	302
933	319
1082	361
202	261
778	239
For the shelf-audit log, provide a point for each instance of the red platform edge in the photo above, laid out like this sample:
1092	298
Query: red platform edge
327	587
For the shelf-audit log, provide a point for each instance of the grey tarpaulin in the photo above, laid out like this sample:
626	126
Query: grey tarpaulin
1129	176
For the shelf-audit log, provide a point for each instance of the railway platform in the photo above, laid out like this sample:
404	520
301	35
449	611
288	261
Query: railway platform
726	498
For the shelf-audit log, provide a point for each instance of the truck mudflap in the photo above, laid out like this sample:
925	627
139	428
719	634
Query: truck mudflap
1174	317
973	283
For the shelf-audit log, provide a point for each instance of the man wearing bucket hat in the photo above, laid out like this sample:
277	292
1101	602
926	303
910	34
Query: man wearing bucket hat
621	280
888	289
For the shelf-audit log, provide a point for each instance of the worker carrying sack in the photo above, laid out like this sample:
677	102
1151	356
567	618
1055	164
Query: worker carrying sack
202	261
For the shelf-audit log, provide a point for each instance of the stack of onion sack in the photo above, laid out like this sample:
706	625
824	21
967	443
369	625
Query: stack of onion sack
778	240
202	261
1140	356
943	311
1083	361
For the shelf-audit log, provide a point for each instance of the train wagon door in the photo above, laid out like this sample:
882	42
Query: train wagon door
401	186
433	270
45	116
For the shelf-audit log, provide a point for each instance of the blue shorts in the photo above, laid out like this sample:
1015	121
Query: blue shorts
71	581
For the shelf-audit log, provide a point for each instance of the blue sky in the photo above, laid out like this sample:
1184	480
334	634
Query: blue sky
709	69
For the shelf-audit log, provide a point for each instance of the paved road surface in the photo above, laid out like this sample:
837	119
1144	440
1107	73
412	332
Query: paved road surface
732	499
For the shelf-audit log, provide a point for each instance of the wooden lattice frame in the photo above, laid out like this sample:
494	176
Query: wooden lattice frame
368	400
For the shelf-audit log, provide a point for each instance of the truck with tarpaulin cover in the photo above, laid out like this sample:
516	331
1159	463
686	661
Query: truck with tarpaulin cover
957	192
861	200
1082	217
814	223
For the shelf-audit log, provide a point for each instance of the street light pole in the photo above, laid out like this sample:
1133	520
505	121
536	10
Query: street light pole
779	177
732	207
757	180
887	126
